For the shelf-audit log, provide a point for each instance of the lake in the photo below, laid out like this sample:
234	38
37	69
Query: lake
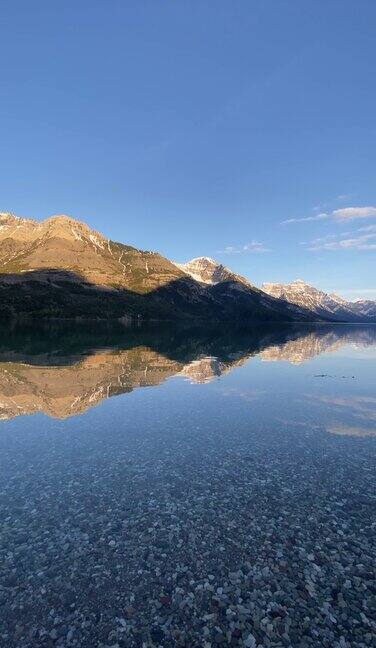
187	487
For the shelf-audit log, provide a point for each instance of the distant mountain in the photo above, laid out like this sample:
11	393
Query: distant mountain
365	307
329	306
208	271
60	268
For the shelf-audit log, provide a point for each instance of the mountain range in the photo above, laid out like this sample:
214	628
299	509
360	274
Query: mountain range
60	268
329	306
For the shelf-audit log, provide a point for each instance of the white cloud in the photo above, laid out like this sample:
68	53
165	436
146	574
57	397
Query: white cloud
361	238
343	214
316	217
340	198
357	242
322	239
367	228
344	196
348	213
254	247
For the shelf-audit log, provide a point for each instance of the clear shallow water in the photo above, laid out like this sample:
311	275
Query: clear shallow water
188	488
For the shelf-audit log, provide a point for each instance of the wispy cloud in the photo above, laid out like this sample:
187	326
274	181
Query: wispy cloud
316	217
325	206
349	213
320	240
339	215
254	247
363	238
344	196
358	243
366	228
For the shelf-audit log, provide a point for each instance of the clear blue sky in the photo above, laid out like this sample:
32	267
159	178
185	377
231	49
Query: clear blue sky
197	127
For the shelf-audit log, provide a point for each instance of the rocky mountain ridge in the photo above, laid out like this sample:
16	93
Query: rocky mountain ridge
208	271
323	304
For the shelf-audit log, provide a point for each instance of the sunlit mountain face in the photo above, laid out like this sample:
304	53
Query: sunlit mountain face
63	372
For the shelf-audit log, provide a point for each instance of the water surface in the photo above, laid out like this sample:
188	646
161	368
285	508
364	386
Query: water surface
188	487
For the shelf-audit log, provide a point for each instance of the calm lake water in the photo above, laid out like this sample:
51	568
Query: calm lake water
188	487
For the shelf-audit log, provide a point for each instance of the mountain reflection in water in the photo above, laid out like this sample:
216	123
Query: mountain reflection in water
65	370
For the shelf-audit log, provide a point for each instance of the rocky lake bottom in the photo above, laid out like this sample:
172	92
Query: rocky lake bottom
190	498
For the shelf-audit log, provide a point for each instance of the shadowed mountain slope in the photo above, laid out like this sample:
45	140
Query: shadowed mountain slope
60	268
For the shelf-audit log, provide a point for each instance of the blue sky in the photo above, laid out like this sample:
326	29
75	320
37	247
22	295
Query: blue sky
198	128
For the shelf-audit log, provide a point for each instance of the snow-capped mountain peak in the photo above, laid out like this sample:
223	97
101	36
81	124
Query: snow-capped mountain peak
208	271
